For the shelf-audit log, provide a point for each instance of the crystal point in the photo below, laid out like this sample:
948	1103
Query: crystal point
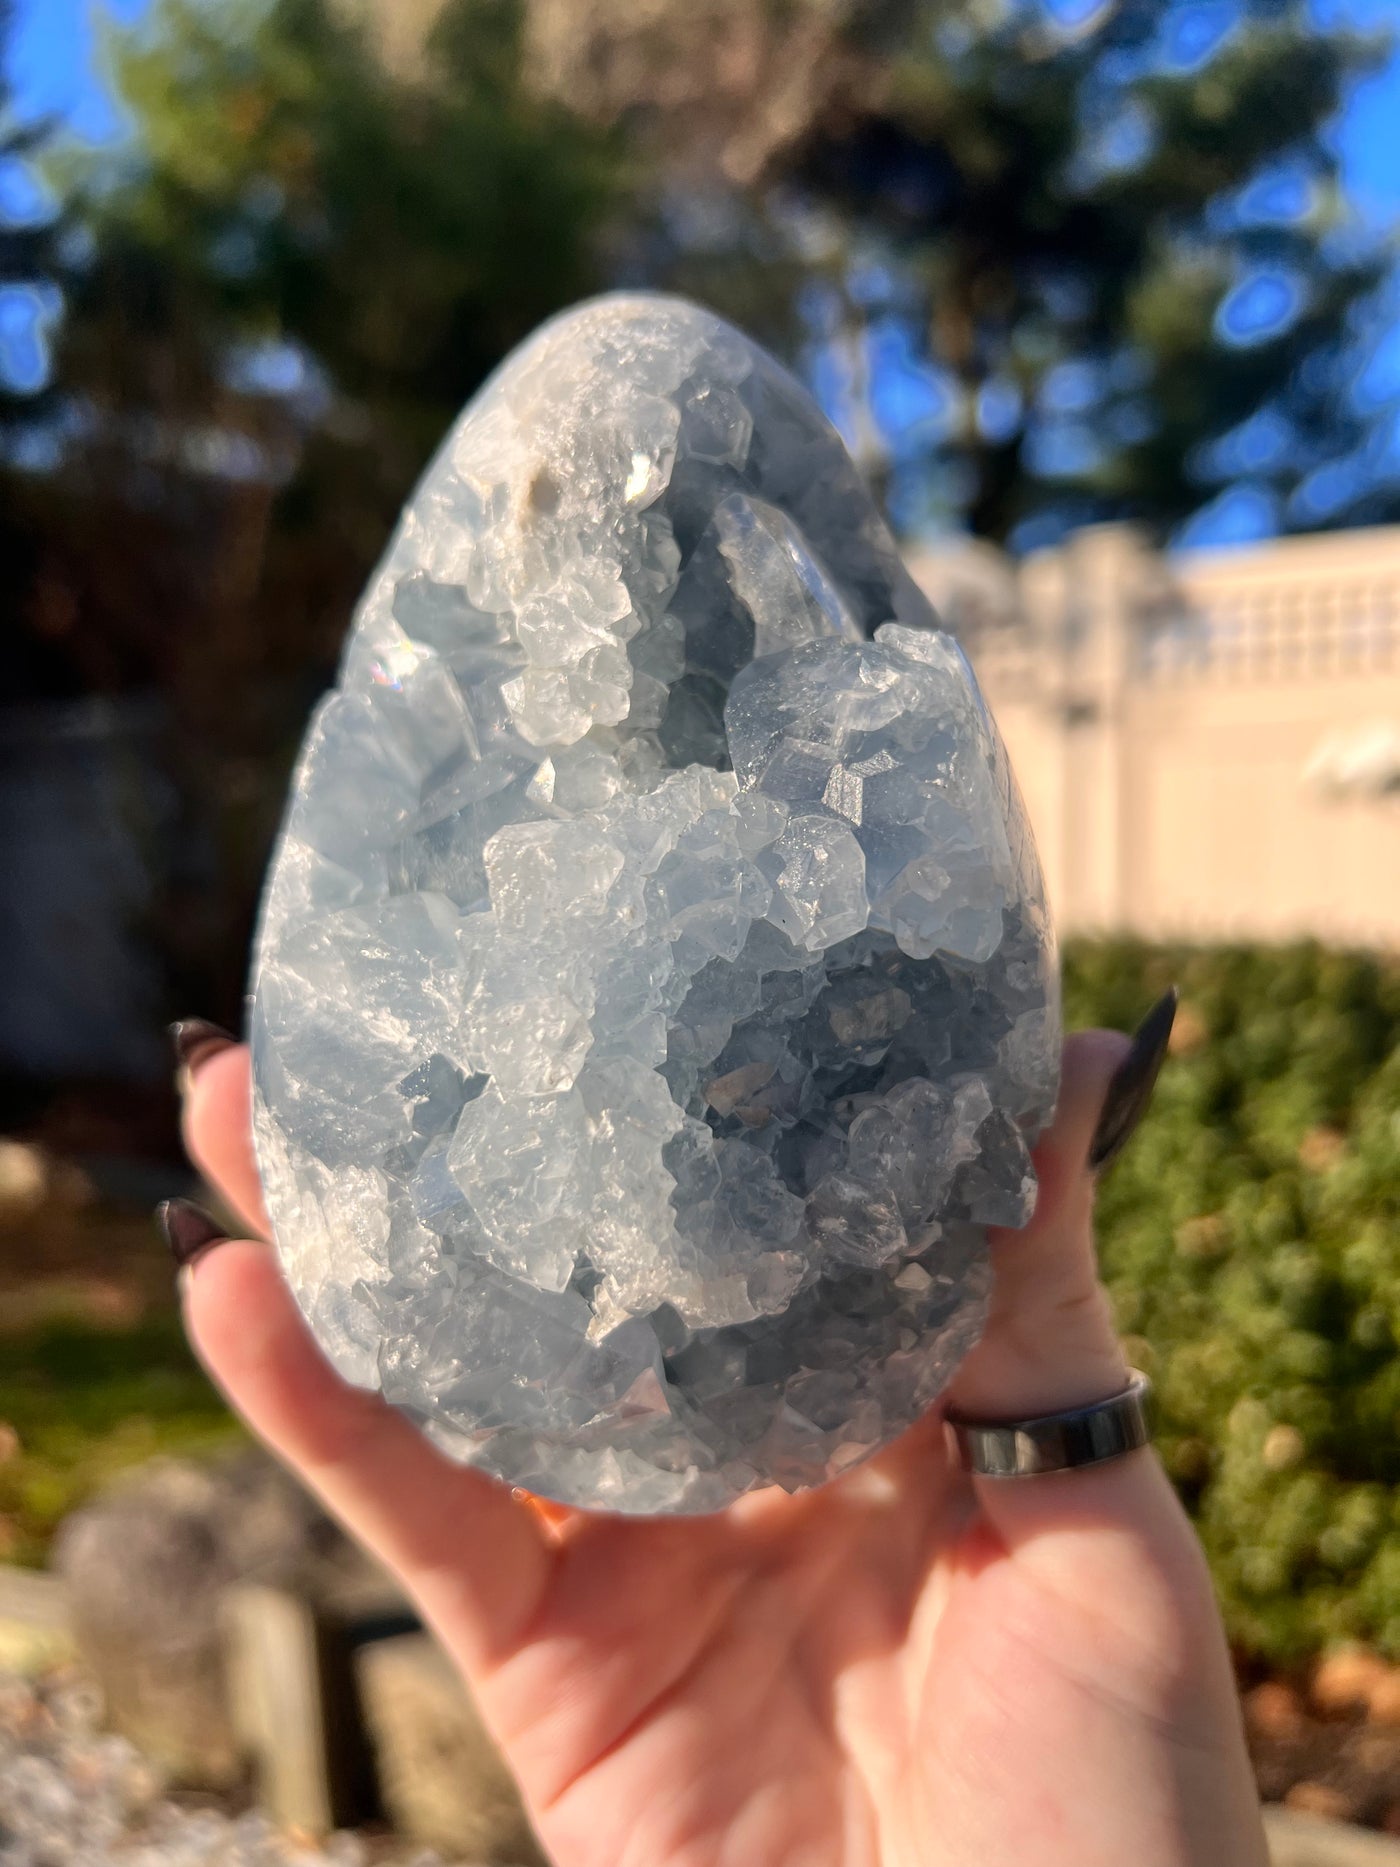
655	998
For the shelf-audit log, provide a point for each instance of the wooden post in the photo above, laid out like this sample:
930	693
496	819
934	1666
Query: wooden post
1305	1841
36	1621
294	1708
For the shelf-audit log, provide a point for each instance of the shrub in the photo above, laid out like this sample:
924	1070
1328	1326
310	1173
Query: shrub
1251	1241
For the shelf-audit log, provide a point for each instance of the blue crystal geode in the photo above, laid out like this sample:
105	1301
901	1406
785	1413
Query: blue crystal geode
655	995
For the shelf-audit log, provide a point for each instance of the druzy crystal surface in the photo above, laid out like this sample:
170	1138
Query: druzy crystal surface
655	995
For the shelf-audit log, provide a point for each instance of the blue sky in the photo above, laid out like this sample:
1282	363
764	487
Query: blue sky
1369	135
53	61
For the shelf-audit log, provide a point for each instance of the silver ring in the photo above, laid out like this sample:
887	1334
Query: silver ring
1055	1442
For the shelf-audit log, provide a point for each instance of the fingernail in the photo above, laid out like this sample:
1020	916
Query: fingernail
195	1041
1130	1093
188	1230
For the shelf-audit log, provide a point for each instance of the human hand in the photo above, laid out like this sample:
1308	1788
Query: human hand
906	1668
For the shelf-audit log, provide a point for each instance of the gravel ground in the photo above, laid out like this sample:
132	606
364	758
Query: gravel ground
72	1795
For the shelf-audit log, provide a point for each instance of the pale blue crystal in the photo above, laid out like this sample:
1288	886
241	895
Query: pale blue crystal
655	997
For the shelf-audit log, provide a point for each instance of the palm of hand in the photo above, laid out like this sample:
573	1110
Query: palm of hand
865	1676
902	1669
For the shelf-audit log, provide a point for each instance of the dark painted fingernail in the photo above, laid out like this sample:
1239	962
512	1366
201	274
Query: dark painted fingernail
1130	1093
188	1230
195	1041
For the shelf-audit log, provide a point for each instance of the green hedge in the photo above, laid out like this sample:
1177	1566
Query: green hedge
1251	1240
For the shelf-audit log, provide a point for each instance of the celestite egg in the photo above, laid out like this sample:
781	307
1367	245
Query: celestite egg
655	995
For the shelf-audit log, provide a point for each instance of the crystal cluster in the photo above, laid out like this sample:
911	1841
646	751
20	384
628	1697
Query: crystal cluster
655	995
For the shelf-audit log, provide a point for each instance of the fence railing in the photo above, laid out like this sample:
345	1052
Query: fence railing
1208	743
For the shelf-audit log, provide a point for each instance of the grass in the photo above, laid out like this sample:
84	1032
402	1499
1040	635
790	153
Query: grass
95	1374
85	1403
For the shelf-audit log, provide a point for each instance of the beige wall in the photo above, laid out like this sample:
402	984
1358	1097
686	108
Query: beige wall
1209	745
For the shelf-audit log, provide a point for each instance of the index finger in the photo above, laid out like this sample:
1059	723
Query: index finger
468	1552
218	1128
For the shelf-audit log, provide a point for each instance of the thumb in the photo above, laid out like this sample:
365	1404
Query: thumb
1049	1342
1103	1554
